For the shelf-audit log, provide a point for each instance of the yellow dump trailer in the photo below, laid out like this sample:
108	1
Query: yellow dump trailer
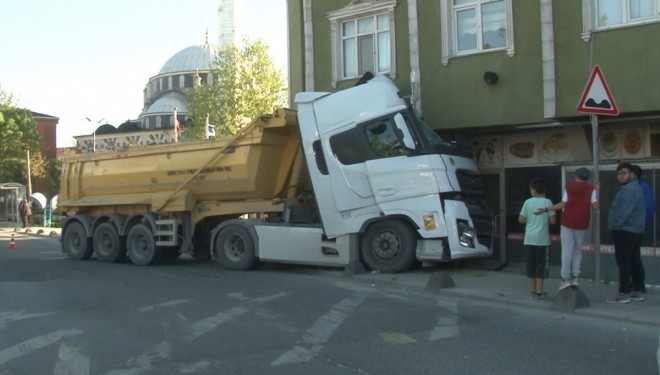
253	166
168	189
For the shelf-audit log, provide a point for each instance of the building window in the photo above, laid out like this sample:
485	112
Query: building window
363	39
620	12
606	14
366	46
474	26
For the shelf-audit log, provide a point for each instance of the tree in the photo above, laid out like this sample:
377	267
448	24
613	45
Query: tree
46	176
246	83
18	133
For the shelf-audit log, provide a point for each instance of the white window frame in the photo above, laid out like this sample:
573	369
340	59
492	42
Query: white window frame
590	18
449	33
352	12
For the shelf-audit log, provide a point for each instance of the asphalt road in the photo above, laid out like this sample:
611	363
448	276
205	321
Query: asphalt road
60	316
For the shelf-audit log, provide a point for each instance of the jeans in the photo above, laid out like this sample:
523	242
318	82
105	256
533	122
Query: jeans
628	259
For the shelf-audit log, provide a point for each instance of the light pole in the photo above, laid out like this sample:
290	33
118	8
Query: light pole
94	133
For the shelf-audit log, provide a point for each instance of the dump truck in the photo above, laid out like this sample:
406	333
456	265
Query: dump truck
351	177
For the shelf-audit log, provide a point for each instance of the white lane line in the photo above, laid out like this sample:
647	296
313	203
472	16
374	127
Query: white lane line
71	361
12	316
145	362
318	334
163	304
212	322
446	325
33	344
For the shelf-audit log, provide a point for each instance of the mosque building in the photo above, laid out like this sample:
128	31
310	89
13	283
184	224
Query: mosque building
164	92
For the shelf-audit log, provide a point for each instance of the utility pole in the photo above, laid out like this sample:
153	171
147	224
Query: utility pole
29	177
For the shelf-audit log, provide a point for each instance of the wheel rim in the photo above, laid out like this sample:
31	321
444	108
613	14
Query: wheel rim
105	243
234	248
140	246
386	245
75	243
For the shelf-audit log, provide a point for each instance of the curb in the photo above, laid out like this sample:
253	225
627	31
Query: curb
40	231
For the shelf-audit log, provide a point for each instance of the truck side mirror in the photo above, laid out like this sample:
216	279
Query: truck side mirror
403	128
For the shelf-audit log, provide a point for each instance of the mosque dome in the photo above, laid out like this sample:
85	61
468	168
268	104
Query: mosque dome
190	59
166	103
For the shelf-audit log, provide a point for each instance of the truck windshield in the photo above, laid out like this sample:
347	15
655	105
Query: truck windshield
431	142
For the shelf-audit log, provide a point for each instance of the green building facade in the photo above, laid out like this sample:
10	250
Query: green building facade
505	77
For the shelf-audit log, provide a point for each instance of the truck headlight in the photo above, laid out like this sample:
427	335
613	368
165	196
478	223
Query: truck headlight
466	234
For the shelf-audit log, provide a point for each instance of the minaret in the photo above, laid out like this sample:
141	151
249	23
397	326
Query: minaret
226	22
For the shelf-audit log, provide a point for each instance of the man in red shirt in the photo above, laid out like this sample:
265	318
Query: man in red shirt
579	197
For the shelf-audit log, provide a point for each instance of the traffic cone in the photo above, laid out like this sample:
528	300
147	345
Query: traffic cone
12	242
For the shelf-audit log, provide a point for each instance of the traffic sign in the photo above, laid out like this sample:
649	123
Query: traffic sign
597	97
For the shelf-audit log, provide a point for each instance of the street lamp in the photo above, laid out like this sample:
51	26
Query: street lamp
94	133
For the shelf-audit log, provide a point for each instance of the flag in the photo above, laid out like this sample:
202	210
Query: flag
177	127
209	130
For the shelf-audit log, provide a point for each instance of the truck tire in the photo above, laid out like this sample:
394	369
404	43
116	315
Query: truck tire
108	246
141	246
234	248
389	247
75	242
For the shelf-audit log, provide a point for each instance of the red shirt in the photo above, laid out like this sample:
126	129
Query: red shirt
577	210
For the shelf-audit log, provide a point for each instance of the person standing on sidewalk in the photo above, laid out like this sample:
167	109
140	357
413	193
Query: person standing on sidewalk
26	212
578	199
626	221
649	204
537	235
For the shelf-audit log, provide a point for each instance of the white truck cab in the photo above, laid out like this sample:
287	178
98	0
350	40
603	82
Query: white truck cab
379	171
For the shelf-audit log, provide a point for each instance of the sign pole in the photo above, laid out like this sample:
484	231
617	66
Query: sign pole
596	221
597	100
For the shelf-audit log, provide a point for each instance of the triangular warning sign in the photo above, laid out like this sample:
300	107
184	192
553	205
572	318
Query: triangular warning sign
597	97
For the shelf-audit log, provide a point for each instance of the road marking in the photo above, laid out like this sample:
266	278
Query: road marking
212	322
163	304
12	316
145	362
397	338
447	325
318	334
194	368
71	361
28	346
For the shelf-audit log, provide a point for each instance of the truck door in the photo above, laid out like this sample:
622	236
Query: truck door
394	174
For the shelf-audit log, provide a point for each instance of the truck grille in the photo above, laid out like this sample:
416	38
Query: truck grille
474	196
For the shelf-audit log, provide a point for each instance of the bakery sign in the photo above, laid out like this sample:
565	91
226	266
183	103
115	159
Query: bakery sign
597	98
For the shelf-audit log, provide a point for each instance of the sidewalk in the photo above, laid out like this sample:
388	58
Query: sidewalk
514	289
506	286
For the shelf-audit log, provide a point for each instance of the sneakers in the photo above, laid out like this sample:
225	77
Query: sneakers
564	284
538	296
574	282
636	296
620	298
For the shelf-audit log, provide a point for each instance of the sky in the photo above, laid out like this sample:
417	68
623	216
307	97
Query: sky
79	59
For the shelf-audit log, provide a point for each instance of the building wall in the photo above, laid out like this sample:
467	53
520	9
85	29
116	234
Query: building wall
520	108
47	128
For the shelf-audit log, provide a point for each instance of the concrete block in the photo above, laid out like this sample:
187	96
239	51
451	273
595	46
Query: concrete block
569	299
439	280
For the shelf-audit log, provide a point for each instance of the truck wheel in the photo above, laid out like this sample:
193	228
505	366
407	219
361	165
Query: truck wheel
234	248
108	247
141	246
389	247
75	242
